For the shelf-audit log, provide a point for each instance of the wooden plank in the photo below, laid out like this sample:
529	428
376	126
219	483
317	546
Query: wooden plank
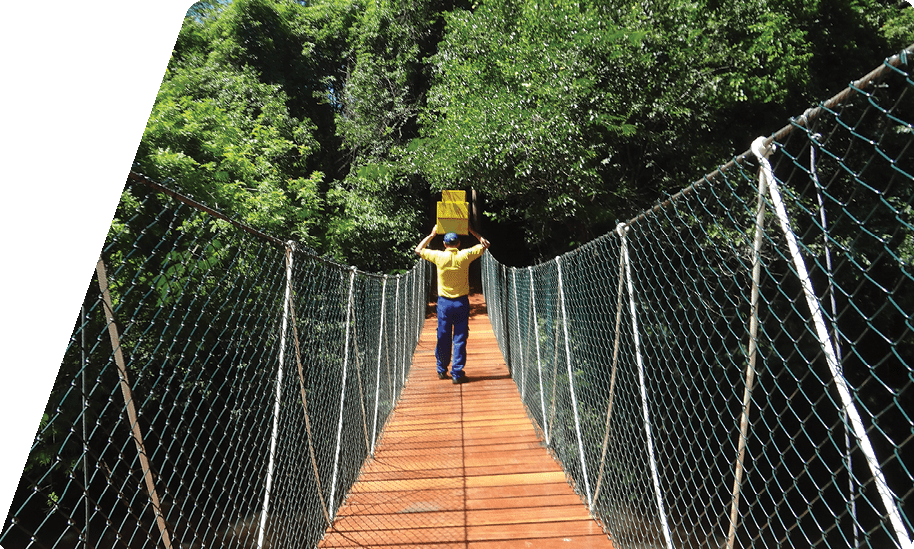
497	475
418	451
441	421
491	460
415	537
521	502
538	516
407	485
477	536
483	493
521	479
535	531
565	541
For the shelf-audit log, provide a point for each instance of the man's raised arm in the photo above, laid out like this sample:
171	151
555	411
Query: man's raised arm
426	240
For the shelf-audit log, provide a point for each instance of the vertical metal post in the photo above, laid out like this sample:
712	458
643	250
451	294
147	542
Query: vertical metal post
574	400
539	366
377	396
622	229
520	340
849	460
414	275
397	338
739	466
420	299
339	428
761	149
127	393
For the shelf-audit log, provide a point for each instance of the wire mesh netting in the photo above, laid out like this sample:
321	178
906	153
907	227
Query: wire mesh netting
734	367
220	389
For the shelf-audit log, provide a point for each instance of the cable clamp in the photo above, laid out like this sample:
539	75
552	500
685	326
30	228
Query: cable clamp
762	148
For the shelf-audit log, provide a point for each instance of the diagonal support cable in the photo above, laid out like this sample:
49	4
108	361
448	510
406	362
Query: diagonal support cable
622	230
339	429
574	400
539	365
762	149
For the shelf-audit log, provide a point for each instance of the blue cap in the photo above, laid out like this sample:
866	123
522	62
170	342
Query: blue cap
450	238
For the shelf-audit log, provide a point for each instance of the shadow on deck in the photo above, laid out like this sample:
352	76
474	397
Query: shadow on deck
462	466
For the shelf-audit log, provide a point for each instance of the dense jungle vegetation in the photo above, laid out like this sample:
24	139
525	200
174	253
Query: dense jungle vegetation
335	121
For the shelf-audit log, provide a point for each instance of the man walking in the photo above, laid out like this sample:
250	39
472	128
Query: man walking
453	265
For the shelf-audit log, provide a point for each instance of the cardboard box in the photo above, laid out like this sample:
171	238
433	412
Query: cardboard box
453	196
452	215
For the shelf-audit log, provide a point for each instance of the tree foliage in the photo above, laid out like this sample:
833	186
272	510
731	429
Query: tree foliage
334	122
222	125
524	110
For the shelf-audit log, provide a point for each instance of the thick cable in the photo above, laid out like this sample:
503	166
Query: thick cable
520	340
553	402
612	381
762	149
622	230
304	403
358	377
574	400
339	429
539	366
739	466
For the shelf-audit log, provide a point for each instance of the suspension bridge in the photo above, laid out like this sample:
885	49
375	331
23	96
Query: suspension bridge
732	368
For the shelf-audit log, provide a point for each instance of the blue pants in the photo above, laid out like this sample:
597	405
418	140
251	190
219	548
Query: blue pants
453	316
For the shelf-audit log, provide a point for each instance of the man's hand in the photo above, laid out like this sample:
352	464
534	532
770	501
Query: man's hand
485	243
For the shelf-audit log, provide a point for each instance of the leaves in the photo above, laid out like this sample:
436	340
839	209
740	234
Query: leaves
523	107
226	137
565	115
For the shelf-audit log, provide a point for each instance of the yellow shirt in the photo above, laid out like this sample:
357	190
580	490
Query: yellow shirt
453	269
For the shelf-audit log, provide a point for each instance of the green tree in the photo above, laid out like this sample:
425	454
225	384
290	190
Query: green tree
376	213
309	119
523	109
380	206
221	127
570	115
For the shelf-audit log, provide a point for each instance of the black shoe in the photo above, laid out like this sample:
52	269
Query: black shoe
459	380
442	375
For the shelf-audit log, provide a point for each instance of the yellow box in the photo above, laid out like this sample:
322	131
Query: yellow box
453	196
452	218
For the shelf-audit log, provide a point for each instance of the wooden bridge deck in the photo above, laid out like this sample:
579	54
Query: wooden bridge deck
462	466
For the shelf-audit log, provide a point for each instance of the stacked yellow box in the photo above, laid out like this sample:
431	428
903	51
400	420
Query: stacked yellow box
452	213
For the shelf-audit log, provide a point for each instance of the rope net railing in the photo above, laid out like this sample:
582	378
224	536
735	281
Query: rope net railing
221	388
734	367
